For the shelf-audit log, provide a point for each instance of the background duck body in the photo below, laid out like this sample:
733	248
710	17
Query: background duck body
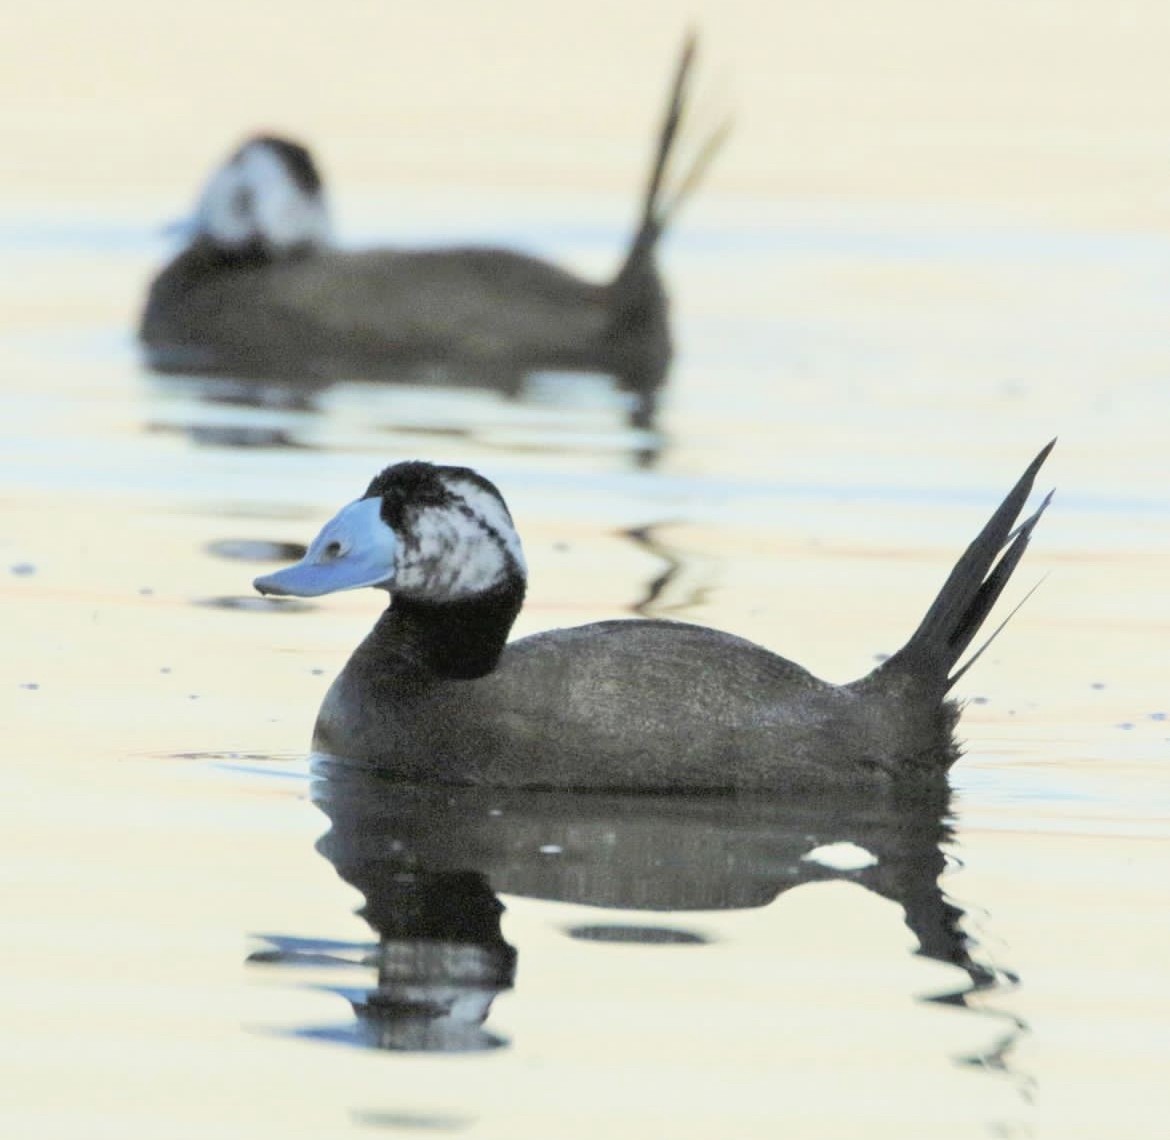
261	292
378	314
434	693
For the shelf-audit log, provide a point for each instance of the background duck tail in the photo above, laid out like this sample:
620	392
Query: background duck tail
659	204
639	331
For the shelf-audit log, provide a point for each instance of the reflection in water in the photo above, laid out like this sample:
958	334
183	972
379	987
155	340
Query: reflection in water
231	435
255	550
254	605
238	408
430	862
244	392
634	385
441	959
227	394
669	593
642	935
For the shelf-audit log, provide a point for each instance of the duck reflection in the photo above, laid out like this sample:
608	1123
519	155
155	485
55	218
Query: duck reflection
237	412
431	862
682	584
441	961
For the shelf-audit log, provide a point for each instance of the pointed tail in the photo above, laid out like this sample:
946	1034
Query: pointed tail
657	209
972	589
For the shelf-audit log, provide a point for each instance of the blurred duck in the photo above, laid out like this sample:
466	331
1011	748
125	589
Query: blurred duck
260	291
434	694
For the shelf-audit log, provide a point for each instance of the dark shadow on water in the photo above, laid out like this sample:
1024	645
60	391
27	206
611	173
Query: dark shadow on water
432	861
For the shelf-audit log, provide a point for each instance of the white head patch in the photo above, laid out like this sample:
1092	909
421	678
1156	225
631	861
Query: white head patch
255	197
459	549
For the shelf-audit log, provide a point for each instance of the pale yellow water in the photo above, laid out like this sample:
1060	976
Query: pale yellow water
939	236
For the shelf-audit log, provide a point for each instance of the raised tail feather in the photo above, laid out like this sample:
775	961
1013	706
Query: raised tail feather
657	209
971	590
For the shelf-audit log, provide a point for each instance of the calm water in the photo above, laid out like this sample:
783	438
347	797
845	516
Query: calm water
855	390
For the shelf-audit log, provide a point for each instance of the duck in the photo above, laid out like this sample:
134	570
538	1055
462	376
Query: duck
437	694
261	292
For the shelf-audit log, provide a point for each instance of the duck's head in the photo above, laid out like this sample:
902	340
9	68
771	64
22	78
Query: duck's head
427	534
267	199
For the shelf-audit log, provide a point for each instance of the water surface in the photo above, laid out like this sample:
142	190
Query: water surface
857	385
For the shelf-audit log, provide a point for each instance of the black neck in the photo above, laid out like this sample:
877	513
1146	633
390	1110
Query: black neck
206	253
458	639
208	256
